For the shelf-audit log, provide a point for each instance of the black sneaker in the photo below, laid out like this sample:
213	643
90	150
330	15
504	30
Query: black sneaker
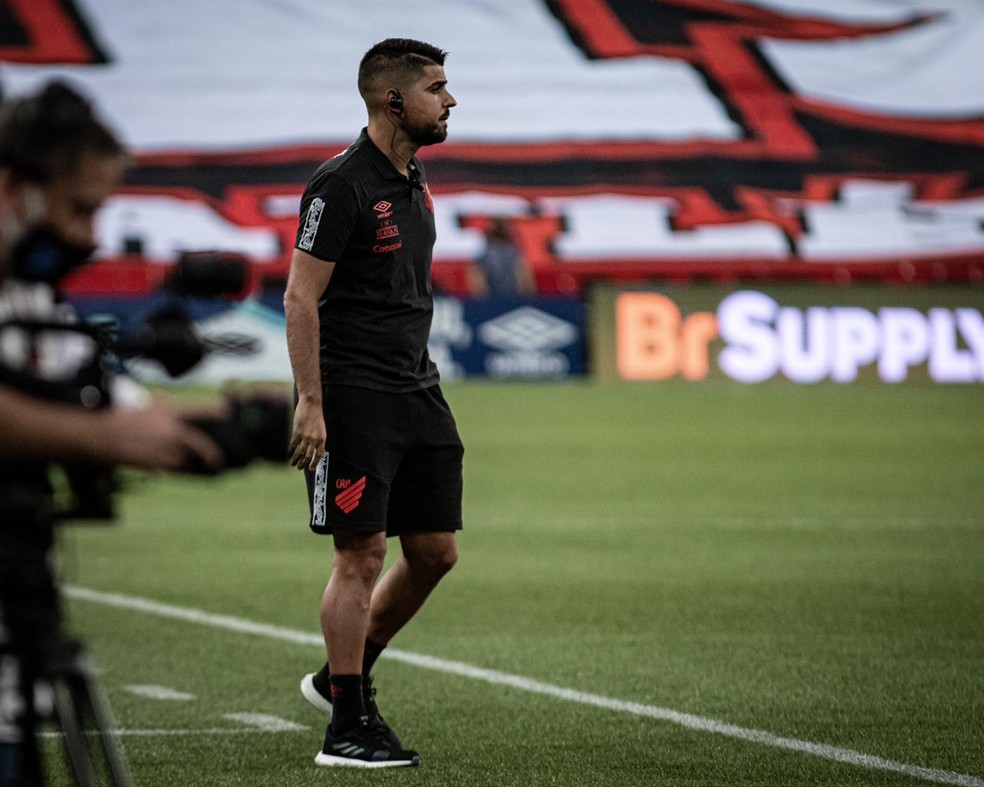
320	698
376	720
364	747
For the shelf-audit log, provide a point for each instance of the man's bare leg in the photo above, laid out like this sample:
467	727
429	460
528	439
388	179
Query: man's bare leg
401	592
345	608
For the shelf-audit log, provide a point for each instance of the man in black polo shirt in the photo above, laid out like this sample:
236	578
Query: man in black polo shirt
372	431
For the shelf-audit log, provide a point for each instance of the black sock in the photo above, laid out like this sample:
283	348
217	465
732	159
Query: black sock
369	656
348	709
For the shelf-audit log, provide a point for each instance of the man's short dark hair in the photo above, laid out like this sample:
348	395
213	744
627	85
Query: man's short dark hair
398	60
44	137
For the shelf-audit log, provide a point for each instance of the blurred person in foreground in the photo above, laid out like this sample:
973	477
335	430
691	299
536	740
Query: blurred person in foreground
372	431
58	163
500	269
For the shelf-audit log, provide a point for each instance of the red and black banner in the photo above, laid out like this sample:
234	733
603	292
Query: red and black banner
680	139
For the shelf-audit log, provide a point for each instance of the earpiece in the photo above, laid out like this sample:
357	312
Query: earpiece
396	102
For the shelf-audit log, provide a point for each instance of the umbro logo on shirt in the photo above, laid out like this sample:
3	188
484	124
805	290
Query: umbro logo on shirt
348	499
382	209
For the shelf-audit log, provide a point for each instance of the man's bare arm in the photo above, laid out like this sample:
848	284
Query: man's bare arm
309	276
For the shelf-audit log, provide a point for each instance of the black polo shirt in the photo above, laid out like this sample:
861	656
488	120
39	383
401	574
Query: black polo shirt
377	227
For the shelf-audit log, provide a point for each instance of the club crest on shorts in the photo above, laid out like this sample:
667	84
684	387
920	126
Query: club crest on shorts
348	499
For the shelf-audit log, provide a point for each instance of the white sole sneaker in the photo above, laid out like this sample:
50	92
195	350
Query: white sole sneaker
312	695
330	761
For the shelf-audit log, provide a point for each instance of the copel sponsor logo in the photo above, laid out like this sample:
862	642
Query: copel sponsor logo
763	339
528	341
383	248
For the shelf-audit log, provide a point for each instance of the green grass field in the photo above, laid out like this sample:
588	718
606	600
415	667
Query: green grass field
802	561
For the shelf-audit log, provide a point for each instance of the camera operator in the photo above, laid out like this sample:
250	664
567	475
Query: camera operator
58	163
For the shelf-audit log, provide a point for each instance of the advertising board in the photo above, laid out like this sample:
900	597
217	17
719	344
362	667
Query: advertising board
539	338
507	338
805	334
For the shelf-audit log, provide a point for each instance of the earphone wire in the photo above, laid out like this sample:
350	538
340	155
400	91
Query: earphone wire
412	174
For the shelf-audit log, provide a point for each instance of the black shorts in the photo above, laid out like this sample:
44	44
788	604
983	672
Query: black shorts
392	463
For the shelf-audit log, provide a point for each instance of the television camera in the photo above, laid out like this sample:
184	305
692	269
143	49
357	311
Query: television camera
47	353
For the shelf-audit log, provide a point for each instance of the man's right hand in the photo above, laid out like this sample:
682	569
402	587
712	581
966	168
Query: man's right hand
307	441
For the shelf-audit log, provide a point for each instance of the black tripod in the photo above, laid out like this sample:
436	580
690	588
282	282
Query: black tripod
49	663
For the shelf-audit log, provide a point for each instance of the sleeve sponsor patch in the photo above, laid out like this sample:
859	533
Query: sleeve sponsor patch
311	222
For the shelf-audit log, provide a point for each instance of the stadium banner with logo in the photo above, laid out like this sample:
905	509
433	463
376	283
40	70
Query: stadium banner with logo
803	334
836	140
507	338
243	341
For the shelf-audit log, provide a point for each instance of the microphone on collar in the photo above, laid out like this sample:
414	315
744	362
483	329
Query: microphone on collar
413	175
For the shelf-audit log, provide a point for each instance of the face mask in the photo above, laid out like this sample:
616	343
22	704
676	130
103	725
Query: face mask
14	227
42	256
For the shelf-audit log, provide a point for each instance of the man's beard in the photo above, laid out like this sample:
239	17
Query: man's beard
429	135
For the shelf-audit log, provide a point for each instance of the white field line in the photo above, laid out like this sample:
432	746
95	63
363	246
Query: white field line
264	722
688	720
163	693
150	733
